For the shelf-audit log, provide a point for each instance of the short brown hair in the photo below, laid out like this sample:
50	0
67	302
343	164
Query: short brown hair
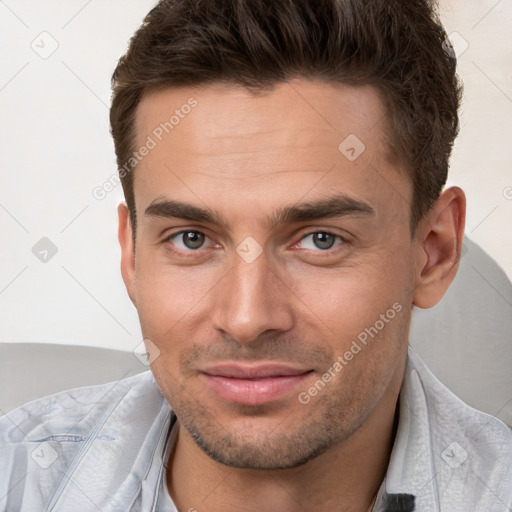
398	46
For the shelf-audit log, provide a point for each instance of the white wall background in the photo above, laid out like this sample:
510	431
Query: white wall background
55	148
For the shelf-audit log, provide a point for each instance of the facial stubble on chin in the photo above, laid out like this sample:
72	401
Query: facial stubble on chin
292	441
298	436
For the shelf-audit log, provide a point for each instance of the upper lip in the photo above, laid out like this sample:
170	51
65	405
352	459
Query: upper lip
253	371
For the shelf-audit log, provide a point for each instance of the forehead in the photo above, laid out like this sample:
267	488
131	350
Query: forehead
301	135
227	110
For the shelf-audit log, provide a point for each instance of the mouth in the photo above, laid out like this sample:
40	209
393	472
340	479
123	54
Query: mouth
253	384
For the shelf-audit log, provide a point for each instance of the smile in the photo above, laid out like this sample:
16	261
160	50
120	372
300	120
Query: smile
253	385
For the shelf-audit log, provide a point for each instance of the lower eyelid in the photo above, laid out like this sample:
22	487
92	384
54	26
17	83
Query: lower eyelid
208	244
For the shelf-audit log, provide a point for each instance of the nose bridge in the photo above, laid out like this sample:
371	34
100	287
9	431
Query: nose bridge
250	301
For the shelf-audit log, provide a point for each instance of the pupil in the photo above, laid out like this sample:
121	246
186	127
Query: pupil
323	240
193	239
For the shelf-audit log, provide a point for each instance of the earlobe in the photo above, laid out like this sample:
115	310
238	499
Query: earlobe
439	240
127	250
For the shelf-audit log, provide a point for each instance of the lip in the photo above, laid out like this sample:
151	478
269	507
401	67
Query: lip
253	384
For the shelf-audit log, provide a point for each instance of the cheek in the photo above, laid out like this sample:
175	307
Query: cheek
368	304
167	295
357	294
174	305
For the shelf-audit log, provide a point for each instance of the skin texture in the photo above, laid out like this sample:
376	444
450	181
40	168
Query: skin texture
245	157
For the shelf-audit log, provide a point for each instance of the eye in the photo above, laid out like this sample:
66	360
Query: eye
187	240
320	240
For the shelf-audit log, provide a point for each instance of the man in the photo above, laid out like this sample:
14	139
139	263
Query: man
283	166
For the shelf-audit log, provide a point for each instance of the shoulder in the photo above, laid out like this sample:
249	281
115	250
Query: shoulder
471	450
47	438
74	410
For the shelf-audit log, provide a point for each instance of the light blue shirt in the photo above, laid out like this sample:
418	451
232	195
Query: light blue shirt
104	447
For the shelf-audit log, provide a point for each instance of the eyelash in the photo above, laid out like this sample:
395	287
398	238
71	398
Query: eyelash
190	252
328	251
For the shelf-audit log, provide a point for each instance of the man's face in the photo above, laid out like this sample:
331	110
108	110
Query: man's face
306	257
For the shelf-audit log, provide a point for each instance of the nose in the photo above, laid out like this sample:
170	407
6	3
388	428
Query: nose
251	300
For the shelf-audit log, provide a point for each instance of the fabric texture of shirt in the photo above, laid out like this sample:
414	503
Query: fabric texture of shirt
104	447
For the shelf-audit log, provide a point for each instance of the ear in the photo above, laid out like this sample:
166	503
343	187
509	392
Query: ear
438	240
127	250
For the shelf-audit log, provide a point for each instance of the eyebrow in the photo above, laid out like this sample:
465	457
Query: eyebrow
335	206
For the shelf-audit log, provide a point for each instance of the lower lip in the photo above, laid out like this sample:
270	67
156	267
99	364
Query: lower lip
254	392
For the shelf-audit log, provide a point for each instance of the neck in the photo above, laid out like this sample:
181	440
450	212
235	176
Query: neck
346	478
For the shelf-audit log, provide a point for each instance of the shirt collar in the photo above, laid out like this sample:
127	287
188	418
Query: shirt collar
410	470
446	454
